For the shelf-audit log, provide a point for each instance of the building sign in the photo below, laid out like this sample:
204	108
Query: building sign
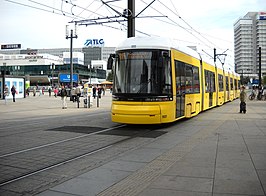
94	43
262	15
66	78
11	46
34	57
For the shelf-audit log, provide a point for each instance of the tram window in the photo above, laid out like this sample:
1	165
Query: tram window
166	77
189	77
221	84
213	87
235	84
209	81
227	83
180	77
231	84
196	85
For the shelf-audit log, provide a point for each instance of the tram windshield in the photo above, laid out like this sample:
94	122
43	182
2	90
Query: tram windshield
143	72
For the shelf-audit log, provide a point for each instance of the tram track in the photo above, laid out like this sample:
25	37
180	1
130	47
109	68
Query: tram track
67	148
58	142
52	166
39	121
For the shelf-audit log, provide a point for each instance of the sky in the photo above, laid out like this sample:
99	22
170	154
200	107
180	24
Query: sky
206	24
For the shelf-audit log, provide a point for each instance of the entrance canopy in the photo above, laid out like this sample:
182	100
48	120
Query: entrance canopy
106	82
44	79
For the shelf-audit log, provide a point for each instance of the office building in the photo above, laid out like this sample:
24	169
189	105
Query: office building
43	66
249	35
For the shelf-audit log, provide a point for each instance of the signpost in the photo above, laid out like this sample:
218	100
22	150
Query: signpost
65	78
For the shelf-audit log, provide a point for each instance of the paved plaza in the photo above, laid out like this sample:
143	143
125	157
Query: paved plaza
219	152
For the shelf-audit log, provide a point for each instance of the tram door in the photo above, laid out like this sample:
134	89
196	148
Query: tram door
180	88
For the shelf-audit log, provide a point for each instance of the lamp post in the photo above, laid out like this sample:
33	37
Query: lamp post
52	67
71	36
89	67
4	82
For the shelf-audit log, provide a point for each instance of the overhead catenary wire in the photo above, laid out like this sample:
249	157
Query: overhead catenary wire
77	12
188	25
174	23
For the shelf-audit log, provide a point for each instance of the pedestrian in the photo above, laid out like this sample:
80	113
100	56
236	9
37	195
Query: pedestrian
13	91
55	92
43	88
63	94
28	91
6	93
99	92
243	98
94	92
34	91
49	91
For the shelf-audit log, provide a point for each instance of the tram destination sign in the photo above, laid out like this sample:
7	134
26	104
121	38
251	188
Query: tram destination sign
10	46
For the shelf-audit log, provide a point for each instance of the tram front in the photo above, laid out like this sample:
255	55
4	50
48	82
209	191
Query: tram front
142	87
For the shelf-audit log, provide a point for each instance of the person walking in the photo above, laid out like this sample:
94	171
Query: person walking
13	91
6	93
49	91
28	91
55	92
243	98
94	89
63	94
34	91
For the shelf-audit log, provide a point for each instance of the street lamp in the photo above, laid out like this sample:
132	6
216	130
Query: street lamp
52	67
89	67
4	76
71	36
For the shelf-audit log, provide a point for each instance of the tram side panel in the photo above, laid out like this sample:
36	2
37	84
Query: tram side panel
221	87
187	91
231	89
209	99
237	86
227	87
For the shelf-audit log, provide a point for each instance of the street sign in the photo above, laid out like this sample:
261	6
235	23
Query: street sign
66	78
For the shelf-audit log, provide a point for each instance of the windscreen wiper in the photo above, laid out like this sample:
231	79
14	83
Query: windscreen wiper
144	85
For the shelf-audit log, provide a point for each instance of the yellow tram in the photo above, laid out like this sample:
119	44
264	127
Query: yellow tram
157	81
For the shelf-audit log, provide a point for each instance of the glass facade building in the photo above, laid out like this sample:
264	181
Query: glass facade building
46	64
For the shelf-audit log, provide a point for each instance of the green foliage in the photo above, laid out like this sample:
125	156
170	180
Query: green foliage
110	76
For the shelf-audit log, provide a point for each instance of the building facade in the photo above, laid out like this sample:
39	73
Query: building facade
43	66
249	35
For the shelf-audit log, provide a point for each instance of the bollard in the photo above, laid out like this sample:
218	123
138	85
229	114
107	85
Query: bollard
97	101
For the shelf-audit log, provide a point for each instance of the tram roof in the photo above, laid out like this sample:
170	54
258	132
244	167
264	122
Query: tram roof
155	43
165	44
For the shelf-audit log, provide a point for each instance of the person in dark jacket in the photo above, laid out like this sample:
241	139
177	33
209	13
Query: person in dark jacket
13	92
243	98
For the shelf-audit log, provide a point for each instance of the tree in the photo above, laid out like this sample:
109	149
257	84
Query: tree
110	76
